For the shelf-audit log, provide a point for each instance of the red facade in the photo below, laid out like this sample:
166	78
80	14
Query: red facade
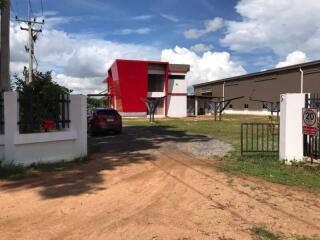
128	85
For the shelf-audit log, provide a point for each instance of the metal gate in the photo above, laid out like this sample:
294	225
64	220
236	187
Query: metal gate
312	143
260	138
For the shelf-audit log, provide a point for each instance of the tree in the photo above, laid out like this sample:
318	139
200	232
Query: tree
42	83
39	101
94	102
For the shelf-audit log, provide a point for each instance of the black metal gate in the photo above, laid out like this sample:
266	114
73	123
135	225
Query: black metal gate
260	138
312	143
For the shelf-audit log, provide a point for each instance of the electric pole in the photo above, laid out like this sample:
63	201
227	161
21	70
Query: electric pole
5	48
32	32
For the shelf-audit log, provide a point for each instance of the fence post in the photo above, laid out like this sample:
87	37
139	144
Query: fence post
78	118
291	137
11	129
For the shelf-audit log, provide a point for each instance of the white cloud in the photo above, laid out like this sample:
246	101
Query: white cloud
169	17
128	31
79	62
208	67
282	25
293	58
210	26
142	17
85	85
200	47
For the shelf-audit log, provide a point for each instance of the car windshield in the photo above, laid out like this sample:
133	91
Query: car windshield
106	112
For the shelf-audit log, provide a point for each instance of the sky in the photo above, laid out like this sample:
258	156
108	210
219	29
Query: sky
219	39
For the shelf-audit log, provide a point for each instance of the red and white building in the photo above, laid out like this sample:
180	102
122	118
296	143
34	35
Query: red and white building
131	82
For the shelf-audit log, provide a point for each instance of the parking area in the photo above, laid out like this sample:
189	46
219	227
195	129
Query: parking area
147	184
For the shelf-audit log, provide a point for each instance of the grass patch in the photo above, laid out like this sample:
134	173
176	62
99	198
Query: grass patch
228	130
14	172
262	233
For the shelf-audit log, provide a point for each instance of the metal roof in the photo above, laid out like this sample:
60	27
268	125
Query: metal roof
276	70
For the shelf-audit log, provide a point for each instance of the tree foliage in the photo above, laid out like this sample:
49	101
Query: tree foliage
42	84
94	102
39	101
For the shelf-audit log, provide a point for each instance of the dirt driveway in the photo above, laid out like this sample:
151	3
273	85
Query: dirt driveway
140	186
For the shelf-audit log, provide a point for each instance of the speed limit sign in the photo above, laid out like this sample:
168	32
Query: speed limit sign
310	121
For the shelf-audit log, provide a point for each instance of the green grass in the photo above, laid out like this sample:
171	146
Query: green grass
228	130
14	172
262	233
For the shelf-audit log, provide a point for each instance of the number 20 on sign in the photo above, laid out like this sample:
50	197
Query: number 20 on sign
310	121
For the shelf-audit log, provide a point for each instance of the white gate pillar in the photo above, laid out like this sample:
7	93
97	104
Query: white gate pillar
195	106
291	137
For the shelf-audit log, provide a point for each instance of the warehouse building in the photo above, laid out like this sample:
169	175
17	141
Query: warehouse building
131	82
265	85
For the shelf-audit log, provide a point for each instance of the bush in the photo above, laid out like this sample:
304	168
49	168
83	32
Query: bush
39	101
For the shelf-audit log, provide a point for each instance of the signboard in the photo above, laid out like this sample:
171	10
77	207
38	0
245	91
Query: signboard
310	121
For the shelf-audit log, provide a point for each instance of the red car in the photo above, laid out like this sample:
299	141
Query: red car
101	120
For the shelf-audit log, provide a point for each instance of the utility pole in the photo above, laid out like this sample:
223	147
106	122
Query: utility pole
5	48
32	38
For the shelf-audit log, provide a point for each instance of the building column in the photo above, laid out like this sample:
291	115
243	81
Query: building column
196	106
291	137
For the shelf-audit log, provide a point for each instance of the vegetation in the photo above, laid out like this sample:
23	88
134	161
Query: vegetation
42	83
262	233
39	100
228	130
94	102
14	172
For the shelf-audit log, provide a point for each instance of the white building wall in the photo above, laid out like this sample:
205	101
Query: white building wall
177	106
177	99
177	86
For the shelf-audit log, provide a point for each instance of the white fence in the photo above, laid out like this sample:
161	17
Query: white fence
25	149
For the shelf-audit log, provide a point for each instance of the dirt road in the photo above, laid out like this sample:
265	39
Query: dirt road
139	186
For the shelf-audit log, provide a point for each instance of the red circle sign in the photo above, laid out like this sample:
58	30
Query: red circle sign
310	117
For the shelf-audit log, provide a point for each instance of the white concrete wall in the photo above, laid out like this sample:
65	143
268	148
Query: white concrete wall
291	137
249	112
156	94
46	147
177	86
177	106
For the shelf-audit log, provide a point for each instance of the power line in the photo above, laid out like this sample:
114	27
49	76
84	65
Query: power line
13	9
42	8
31	10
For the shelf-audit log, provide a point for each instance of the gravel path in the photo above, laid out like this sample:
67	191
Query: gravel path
205	149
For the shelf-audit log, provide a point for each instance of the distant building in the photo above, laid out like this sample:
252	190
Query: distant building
265	85
131	82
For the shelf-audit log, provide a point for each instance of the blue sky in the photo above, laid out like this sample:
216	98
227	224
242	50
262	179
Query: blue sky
241	35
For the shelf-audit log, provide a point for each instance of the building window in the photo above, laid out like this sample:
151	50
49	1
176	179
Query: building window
156	83
230	106
246	106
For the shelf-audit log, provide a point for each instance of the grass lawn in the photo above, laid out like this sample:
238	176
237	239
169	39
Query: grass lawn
228	130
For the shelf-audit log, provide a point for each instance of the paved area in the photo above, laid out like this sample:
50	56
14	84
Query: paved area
140	185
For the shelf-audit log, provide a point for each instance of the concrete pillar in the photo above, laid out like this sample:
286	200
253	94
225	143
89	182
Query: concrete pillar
78	117
11	129
196	106
291	137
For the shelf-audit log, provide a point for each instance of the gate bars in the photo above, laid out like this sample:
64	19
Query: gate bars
260	138
311	144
